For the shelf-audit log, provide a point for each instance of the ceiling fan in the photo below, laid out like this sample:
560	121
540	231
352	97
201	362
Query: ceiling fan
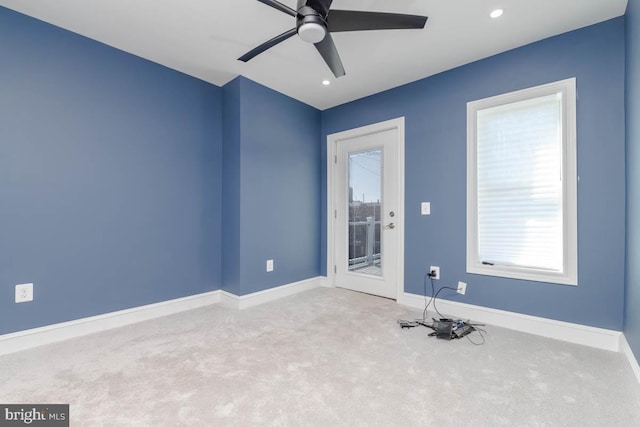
315	22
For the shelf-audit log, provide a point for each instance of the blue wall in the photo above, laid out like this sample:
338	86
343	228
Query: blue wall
273	156
110	177
435	171
231	114
632	312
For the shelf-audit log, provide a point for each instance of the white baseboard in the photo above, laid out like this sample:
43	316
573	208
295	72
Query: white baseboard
251	300
626	349
22	340
571	332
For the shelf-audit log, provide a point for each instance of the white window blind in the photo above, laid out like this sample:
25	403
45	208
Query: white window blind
522	184
519	157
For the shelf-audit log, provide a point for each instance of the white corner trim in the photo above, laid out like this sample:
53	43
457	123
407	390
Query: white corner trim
22	340
626	349
605	339
251	300
325	282
229	300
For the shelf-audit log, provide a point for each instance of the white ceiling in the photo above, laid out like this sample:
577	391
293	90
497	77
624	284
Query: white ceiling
204	38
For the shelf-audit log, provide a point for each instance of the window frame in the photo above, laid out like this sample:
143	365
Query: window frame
569	275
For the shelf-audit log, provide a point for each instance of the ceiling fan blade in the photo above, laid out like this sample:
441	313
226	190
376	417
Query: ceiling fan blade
267	45
329	53
281	7
351	20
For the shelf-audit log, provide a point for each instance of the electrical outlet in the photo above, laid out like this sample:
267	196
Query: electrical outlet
24	292
425	208
269	265
437	270
462	288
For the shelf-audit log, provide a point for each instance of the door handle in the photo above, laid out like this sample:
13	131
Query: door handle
391	225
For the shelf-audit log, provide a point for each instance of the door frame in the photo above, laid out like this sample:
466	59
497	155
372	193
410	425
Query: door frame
332	140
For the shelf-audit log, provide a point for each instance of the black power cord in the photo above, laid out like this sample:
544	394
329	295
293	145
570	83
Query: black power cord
434	295
424	321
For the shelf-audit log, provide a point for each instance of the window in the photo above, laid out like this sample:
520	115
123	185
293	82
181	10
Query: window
521	184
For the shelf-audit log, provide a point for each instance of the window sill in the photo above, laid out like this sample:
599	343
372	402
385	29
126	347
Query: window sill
524	274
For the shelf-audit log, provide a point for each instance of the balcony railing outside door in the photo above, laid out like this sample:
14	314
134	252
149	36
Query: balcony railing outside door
364	246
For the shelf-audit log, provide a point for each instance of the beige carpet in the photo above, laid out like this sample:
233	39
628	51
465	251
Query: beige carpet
327	357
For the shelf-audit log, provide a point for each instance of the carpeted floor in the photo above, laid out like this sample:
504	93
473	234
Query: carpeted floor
326	357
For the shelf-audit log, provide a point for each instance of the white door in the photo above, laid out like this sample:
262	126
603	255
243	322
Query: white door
367	201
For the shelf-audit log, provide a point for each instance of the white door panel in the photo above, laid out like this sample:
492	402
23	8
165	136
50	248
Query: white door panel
366	197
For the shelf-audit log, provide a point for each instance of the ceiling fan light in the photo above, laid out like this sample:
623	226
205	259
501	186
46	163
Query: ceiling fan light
311	32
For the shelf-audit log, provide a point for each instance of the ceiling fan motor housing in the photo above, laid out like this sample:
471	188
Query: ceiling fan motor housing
321	7
311	26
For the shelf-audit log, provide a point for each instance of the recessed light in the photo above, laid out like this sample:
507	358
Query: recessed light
326	82
496	13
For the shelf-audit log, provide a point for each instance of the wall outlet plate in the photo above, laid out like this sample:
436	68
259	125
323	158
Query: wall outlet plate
437	270
24	292
462	288
425	208
269	265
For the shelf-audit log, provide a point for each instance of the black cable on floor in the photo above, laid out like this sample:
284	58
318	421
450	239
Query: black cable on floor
434	296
